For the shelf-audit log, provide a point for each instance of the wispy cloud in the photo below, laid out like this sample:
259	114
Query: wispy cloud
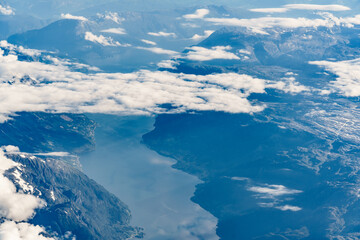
105	41
158	50
199	14
119	31
148	42
274	196
289	208
69	16
112	16
333	7
273	190
162	34
269	10
313	7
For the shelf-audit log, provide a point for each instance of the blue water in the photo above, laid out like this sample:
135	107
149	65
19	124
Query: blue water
158	195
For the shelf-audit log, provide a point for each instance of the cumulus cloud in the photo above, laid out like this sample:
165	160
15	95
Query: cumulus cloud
348	81
199	14
105	41
119	31
206	34
205	54
162	34
57	88
69	16
259	25
158	50
148	42
10	230
6	10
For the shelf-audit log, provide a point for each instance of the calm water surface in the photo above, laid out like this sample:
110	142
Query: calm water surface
158	195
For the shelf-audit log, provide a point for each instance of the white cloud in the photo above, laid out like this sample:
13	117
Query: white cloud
53	154
198	37
105	41
288	7
199	14
205	54
15	205
348	81
113	16
6	10
240	179
58	89
269	10
273	190
10	230
158	50
119	31
148	42
162	34
289	208
333	7
10	149
161	161
259	25
170	64
69	16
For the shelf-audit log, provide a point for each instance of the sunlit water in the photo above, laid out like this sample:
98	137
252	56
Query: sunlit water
158	195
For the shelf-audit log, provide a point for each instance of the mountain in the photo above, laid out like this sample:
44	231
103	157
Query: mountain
75	205
11	24
288	172
113	41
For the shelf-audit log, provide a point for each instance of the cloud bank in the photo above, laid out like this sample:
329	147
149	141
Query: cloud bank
36	86
259	25
348	81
